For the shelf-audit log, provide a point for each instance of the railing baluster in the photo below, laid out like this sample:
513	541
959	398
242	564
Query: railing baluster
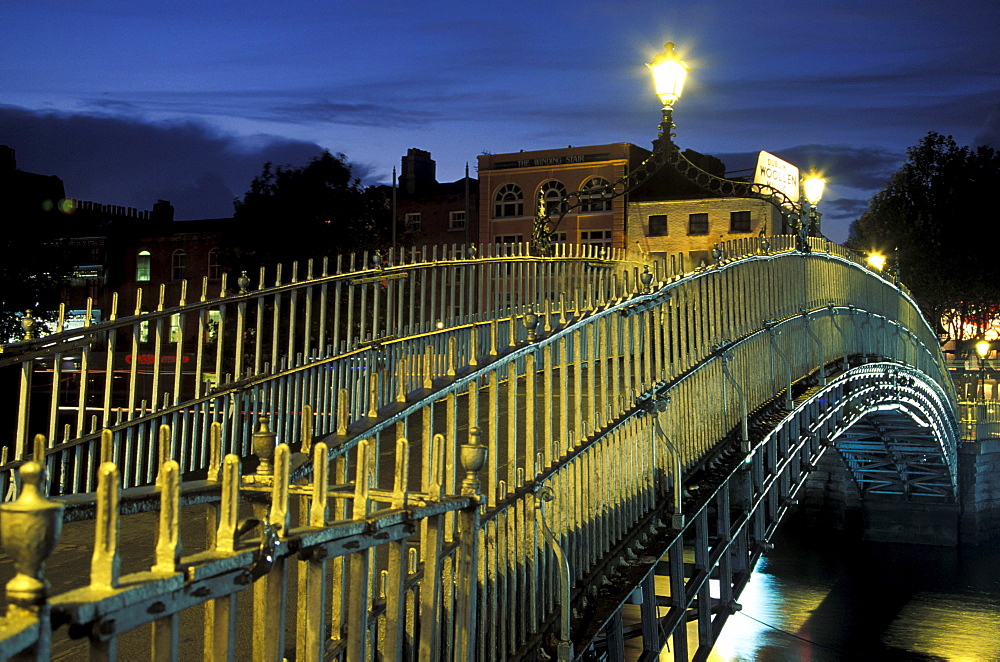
603	485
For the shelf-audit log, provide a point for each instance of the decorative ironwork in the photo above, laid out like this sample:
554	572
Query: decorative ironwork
666	152
389	542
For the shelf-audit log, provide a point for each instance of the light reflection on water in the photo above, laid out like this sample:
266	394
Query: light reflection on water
834	597
954	627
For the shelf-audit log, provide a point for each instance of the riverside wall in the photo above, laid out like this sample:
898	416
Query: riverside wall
830	499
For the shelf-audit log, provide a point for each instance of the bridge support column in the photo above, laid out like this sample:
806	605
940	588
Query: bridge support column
979	490
741	490
652	640
616	638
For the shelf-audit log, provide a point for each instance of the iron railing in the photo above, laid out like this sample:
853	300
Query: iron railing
979	419
272	348
424	508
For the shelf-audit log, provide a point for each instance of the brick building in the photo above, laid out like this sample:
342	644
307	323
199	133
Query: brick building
428	212
510	186
692	226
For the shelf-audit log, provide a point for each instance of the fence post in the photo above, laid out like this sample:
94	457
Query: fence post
31	527
727	356
564	644
472	456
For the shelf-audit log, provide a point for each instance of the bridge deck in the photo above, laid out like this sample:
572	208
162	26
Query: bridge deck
591	415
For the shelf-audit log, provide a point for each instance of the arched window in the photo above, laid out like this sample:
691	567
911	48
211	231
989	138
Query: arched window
553	192
597	195
214	270
142	266
509	201
178	261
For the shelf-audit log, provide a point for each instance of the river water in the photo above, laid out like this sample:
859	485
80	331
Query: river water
832	596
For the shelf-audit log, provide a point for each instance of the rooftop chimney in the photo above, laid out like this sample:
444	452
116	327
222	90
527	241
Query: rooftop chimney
418	171
163	211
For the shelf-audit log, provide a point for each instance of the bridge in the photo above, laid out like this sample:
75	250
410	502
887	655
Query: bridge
457	454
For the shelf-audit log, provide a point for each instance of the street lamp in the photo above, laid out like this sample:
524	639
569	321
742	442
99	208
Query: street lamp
982	351
669	73
812	187
876	261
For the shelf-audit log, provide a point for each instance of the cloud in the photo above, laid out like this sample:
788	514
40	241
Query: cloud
361	114
133	163
850	172
846	207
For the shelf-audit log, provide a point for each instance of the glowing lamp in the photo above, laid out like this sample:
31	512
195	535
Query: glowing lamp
669	72
876	260
813	186
982	348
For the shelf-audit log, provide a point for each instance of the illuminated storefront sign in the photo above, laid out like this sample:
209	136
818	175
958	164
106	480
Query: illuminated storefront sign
778	174
565	159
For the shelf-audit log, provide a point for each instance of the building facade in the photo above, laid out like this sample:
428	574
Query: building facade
430	213
667	227
511	185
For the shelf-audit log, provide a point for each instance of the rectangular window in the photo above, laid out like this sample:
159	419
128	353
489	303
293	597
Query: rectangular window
175	327
456	220
658	225
505	245
412	222
558	237
596	237
212	326
178	262
142	266
214	268
739	221
508	239
698	224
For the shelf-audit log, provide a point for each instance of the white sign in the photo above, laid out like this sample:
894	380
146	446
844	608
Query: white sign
778	174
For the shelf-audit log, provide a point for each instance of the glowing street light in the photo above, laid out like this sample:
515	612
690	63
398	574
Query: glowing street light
813	186
982	351
669	72
876	261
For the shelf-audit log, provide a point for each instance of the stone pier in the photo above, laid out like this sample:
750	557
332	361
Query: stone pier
831	499
979	490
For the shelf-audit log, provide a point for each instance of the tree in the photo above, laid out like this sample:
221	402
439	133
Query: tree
934	220
306	212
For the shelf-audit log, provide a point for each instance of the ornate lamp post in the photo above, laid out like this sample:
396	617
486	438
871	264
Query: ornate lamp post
982	351
812	187
669	73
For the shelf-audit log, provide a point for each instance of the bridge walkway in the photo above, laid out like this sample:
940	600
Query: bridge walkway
527	536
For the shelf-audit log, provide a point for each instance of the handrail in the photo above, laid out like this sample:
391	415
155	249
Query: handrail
437	449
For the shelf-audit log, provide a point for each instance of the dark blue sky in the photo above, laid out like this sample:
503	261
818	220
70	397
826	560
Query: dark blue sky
133	101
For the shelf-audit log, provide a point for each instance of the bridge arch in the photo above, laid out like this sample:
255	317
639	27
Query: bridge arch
895	429
865	379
